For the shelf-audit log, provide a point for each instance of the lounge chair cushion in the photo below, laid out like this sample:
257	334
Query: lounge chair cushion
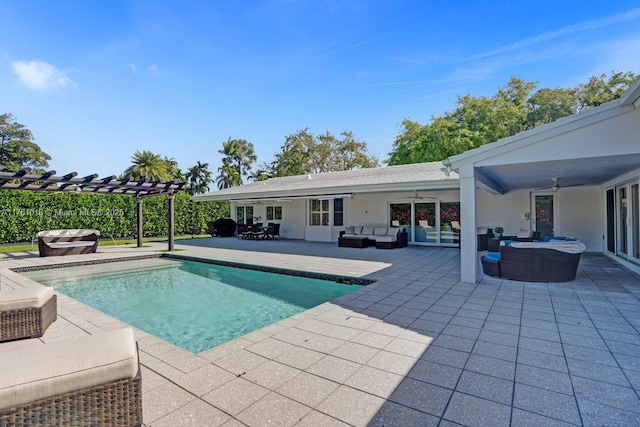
524	234
380	231
37	372
493	256
483	230
355	230
386	238
32	297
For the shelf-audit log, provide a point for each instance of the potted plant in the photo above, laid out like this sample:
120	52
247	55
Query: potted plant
498	231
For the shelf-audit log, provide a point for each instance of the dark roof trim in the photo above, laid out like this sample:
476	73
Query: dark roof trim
47	181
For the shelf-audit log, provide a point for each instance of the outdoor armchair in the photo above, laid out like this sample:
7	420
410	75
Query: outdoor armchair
26	312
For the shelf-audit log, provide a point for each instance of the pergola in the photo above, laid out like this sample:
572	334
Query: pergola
48	181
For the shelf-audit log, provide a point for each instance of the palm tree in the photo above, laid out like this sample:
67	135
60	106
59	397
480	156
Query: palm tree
260	175
240	154
146	165
228	177
199	177
174	169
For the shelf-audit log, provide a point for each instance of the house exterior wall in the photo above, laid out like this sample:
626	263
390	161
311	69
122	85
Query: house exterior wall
579	212
590	138
370	209
293	217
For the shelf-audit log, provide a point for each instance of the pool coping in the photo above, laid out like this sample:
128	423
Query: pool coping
345	280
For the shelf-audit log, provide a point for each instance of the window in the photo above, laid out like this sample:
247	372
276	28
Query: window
274	213
338	212
244	215
318	212
240	214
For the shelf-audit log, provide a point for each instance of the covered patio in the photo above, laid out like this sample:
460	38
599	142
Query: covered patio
585	168
417	347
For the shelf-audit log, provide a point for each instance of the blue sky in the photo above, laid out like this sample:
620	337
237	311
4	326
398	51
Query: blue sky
97	80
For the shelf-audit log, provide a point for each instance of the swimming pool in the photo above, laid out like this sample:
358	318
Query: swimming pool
193	305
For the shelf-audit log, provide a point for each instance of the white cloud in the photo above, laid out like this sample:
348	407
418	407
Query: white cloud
41	76
133	67
153	68
631	15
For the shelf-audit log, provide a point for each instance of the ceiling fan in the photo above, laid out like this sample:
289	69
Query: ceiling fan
556	185
416	196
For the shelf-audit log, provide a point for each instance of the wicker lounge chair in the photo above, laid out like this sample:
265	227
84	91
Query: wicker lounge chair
538	264
67	242
26	312
89	381
534	262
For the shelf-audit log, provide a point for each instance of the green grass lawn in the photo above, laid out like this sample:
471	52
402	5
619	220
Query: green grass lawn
21	247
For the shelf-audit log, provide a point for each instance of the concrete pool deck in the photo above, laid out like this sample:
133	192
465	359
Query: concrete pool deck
418	347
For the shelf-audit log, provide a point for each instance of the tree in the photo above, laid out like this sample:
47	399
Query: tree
548	105
599	90
304	153
262	173
229	176
199	177
480	120
173	169
17	147
295	154
240	154
146	165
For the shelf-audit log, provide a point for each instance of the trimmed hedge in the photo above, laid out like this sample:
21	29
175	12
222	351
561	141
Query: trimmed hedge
24	213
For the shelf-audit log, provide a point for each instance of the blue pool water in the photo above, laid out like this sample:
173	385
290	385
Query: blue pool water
193	305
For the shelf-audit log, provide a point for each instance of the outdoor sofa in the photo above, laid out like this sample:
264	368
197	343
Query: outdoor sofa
382	237
26	312
67	242
89	381
553	261
493	243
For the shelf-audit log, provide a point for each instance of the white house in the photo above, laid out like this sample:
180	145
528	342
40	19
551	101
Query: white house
578	176
423	197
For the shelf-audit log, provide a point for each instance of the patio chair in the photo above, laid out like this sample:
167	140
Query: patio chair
272	231
26	312
257	231
94	380
243	231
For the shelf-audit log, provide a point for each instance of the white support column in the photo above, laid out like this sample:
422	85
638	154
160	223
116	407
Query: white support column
468	232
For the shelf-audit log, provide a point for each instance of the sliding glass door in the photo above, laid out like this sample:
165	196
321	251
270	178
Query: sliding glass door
425	230
635	223
428	223
623	220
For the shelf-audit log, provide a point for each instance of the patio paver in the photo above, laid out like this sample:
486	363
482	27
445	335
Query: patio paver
417	347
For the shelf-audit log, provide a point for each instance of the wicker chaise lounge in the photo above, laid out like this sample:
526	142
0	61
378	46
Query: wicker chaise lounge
67	242
535	261
26	312
91	381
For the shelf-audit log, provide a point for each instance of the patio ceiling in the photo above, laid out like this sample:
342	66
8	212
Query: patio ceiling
571	172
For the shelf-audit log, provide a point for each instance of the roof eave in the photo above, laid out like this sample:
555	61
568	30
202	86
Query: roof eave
448	184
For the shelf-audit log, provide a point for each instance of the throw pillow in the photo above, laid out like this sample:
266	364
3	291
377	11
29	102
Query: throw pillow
367	231
524	234
483	230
